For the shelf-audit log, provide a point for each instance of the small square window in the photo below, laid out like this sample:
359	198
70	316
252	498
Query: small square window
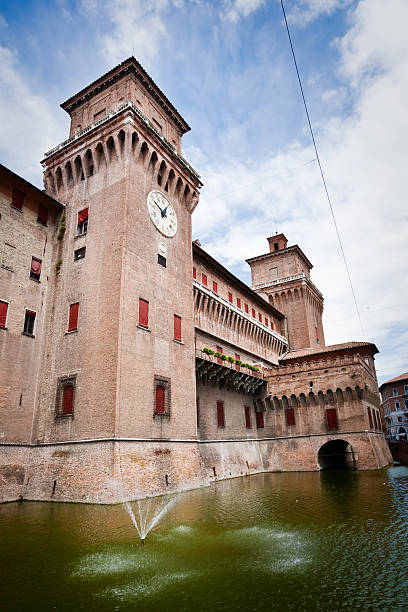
162	261
79	253
29	323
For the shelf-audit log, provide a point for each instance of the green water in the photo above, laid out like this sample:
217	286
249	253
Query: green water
304	541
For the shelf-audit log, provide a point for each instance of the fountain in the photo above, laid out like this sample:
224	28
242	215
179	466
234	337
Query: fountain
148	517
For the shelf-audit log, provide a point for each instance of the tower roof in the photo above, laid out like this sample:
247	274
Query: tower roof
129	66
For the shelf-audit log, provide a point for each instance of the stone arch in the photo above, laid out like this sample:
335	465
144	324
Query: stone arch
186	192
153	161
144	149
336	455
293	401
285	403
289	296
349	393
302	399
339	396
276	402
268	403
170	181
79	171
359	392
135	140
58	178
49	182
111	150
161	172
69	174
121	142
89	163
312	399
320	397
270	299
179	186
100	155
330	396
296	295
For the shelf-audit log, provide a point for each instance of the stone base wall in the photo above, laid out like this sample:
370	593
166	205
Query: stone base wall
113	471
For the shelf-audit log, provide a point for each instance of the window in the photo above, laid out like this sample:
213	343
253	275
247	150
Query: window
399	419
397	405
238	303
42	216
220	414
161	261
215	287
272	325
3	314
17	199
316	334
406	403
65	397
79	253
247	417
370	418
276	246
143	313
260	317
259	420
246	308
177	328
253	313
204	279
405	389
395	392
219	350
230	297
162	396
82	222
194	272
331	415
237	366
35	271
73	317
290	416
29	323
266	321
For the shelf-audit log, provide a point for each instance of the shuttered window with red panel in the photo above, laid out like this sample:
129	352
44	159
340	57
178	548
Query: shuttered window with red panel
370	418
194	272
253	313
266	321
230	297
259	420
177	328
290	416
42	215
237	366
260	317
204	279
219	350
215	287
82	221
35	270
143	313
238	303
3	314
272	325
331	415
247	417
160	395
17	199
246	308
73	317
220	414
68	399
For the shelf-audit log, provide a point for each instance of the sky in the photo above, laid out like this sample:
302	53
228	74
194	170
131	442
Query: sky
226	65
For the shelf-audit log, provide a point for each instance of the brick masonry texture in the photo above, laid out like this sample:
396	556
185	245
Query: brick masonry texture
125	141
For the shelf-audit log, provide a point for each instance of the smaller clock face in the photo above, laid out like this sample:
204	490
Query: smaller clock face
162	213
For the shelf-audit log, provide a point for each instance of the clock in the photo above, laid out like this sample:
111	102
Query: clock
162	213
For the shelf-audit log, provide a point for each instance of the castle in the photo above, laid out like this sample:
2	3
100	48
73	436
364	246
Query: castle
129	354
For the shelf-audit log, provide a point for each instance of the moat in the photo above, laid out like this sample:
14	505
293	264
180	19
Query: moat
294	541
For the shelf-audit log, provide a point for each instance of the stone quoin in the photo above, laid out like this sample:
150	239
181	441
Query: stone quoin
130	354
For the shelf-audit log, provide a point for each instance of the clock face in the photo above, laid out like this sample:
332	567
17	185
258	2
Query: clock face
162	213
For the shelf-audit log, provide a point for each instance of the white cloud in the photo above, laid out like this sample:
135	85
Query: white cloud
234	9
303	12
365	165
27	120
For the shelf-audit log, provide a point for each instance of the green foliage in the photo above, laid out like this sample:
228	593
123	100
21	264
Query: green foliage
238	362
231	359
223	357
208	351
62	228
217	354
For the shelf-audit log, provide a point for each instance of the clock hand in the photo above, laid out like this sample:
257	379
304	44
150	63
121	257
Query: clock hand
164	214
161	210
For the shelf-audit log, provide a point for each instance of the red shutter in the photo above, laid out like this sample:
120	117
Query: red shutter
73	317
219	350
31	313
194	273
290	416
204	279
42	214
143	313
253	313
68	399
237	366
230	297
35	266
377	417
160	399
272	326
215	287
17	199
259	420
331	414
220	414
238	303
370	418
247	417
260	317
177	327
3	314
246	308
82	216
266	322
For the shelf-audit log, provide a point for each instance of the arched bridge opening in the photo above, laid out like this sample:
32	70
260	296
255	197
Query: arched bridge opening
336	455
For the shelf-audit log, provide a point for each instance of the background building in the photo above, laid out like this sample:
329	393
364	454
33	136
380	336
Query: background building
394	395
144	365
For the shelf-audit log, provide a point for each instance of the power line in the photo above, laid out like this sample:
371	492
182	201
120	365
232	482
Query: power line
321	169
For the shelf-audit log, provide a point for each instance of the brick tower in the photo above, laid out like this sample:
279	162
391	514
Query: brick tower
282	276
119	353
